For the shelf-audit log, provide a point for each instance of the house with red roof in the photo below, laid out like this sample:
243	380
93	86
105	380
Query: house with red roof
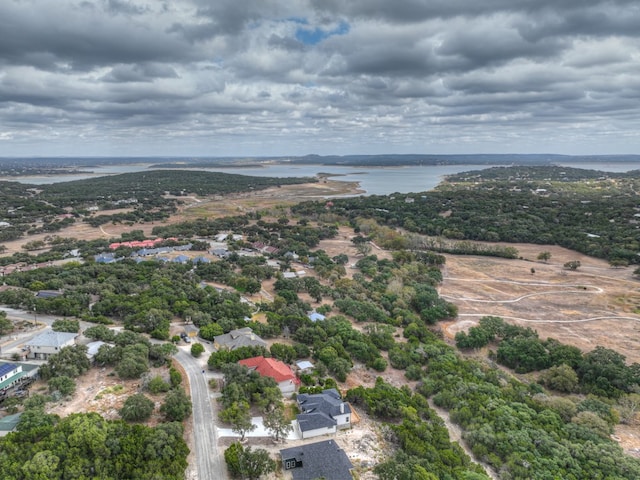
279	371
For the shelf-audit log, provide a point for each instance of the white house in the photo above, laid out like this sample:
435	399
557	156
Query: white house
49	343
10	373
322	414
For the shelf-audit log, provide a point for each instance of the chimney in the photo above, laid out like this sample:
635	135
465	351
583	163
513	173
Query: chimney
342	407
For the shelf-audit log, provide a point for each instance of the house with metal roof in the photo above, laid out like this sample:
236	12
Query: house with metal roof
9	423
304	366
317	460
93	348
10	374
49	294
16	375
48	343
322	413
315	316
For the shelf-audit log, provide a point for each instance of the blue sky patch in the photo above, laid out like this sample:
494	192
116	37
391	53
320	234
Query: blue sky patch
313	36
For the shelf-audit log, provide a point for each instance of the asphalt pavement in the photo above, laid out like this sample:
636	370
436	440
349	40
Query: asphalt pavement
209	458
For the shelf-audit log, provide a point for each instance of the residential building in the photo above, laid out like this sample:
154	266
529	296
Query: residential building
49	294
16	375
304	366
10	374
317	460
42	346
93	348
315	316
243	337
322	414
279	371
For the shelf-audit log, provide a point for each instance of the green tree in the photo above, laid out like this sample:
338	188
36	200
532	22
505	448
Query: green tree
232	459
561	378
43	466
6	325
239	416
158	385
176	406
71	326
63	384
69	361
211	330
593	422
276	421
175	377
197	349
283	352
572	265
134	361
100	332
136	408
544	256
248	464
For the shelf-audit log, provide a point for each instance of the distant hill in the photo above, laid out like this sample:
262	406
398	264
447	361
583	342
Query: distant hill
15	164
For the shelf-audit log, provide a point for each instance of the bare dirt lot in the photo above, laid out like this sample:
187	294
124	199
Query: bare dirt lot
593	305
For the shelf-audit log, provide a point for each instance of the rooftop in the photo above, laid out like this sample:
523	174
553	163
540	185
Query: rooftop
269	367
51	338
317	460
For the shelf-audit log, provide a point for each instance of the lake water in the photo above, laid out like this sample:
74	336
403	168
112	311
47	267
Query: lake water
374	180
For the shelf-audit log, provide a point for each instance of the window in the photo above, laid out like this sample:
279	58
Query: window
347	420
290	463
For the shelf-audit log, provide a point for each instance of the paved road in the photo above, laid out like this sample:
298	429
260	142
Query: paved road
210	459
15	340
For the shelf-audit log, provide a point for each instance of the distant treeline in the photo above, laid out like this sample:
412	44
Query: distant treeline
596	216
49	208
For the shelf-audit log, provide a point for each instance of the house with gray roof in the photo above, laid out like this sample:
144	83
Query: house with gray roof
181	259
315	316
93	348
49	294
322	414
48	343
9	423
317	460
242	337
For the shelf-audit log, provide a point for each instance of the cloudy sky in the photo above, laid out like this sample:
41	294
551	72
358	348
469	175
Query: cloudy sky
291	77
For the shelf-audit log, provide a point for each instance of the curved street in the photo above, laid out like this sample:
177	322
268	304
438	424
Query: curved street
209	458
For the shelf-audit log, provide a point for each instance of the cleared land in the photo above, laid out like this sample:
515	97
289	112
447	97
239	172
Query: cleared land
594	305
